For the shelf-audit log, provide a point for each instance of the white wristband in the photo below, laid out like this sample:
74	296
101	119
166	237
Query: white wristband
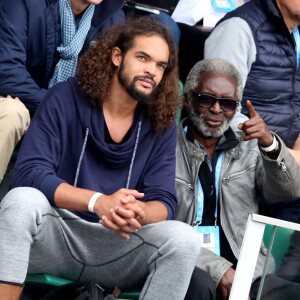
93	200
272	147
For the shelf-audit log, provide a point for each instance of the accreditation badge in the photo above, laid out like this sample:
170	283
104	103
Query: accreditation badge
210	237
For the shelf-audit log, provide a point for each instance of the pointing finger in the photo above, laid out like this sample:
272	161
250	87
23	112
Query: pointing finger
251	109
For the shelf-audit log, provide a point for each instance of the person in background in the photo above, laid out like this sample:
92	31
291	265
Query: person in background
42	40
222	174
101	148
261	39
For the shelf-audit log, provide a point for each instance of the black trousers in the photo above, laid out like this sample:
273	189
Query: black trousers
275	288
201	286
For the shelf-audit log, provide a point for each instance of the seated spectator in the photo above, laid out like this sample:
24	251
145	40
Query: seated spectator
221	175
101	148
41	41
260	39
14	121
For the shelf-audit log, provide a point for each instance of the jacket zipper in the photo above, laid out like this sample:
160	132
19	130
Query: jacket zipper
283	166
185	183
237	173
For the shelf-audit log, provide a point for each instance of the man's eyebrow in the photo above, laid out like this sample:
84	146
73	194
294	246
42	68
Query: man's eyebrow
149	56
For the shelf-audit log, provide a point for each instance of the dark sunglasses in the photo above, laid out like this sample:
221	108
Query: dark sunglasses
206	100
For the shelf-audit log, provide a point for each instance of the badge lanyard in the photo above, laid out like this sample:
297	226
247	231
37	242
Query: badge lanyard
200	202
297	42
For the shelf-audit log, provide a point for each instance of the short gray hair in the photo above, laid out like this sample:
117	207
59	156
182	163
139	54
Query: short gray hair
219	66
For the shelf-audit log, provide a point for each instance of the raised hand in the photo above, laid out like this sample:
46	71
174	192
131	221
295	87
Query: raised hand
256	128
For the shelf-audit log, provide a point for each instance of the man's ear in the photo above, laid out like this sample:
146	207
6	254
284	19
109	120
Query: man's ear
116	56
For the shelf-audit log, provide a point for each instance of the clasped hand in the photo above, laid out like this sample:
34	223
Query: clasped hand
121	211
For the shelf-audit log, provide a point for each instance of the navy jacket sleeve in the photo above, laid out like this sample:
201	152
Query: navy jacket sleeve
159	176
14	77
40	154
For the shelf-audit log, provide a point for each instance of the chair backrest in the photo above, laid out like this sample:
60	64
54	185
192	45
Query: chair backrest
281	242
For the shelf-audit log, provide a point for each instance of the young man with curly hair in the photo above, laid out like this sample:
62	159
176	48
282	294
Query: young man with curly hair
101	148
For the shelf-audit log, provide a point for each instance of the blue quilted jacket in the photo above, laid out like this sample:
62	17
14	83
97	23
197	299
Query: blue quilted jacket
273	84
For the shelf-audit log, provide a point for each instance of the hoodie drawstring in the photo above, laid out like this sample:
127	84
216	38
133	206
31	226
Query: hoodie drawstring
133	154
132	158
81	156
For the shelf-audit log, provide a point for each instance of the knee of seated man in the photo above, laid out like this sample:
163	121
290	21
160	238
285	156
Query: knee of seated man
24	200
21	115
17	111
185	239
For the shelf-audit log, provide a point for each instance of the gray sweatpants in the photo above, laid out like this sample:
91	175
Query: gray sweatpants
37	238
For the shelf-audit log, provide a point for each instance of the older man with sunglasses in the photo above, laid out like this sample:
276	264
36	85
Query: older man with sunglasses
222	174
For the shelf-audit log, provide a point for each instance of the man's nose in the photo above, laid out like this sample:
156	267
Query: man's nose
216	108
151	69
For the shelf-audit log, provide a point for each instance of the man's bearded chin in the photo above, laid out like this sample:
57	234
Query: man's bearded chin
201	125
139	96
131	88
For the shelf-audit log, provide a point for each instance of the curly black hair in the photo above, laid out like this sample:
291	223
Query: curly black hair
95	69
